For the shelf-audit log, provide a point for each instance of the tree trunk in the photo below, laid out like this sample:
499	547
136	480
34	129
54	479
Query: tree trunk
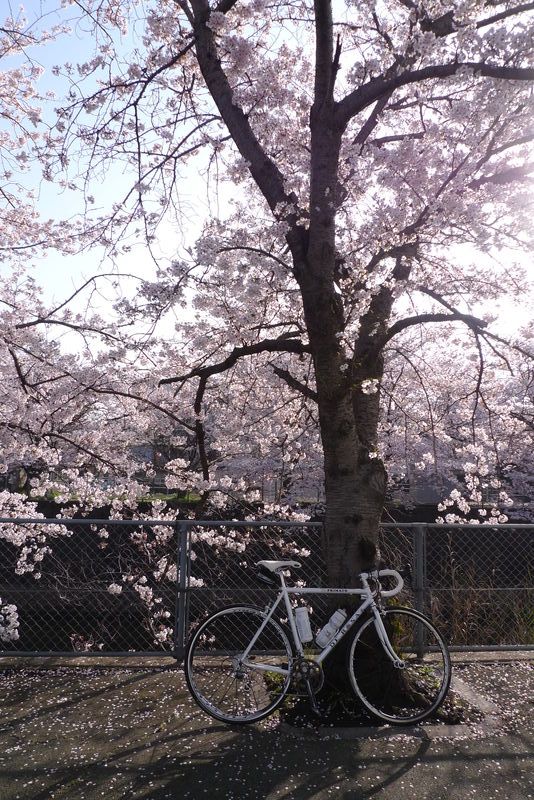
355	478
355	485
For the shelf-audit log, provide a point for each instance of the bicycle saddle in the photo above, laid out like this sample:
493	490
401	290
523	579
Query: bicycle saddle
274	566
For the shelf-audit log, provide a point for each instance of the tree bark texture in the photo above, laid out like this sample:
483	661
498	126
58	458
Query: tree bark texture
355	479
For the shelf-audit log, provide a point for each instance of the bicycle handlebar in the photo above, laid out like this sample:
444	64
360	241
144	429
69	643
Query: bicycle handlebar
385	573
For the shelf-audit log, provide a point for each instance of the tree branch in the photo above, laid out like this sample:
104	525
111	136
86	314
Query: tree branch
266	174
54	435
369	93
283	344
81	328
293	383
223	6
200	431
18	369
92	280
523	172
445	25
259	251
324	53
478	388
528	137
401	137
472	322
486	335
528	421
509	12
372	120
140	399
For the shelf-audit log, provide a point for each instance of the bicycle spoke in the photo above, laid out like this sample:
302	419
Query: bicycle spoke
230	679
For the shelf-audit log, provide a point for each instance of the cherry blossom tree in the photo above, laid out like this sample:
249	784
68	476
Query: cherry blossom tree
75	419
62	411
69	425
365	168
379	158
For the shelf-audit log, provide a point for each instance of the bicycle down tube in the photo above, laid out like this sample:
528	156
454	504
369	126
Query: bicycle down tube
369	602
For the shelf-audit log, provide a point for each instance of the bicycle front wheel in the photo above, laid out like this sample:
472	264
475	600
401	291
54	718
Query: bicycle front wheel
232	680
412	690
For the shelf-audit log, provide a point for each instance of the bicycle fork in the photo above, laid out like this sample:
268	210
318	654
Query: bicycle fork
397	662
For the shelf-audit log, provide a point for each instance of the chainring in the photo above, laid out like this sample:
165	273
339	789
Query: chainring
306	669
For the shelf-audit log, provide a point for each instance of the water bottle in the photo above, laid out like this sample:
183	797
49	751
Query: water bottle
302	621
327	633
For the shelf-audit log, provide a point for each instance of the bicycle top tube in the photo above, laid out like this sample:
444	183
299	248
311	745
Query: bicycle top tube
278	567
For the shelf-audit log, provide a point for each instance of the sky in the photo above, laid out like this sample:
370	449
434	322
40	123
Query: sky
60	275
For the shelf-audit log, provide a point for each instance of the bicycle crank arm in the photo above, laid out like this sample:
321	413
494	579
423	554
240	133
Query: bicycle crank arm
313	702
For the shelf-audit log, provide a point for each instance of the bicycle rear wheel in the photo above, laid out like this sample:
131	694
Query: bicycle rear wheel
400	695
230	687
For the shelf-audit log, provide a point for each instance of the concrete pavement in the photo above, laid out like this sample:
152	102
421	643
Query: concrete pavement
128	730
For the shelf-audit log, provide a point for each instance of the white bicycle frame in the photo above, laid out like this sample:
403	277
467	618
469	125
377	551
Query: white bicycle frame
368	603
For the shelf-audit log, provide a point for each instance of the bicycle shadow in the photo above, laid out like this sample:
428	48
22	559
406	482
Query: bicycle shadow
254	764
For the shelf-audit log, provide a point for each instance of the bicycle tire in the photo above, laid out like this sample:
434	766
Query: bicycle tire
407	695
223	687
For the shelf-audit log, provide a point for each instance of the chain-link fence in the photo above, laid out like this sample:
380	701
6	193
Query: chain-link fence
111	586
479	584
87	585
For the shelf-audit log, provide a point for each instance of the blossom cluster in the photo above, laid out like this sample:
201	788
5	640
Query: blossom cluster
9	622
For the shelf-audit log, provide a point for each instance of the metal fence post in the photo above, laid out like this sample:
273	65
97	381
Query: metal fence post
419	584
419	557
182	581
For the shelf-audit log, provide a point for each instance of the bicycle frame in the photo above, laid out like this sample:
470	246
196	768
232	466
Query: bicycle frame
365	592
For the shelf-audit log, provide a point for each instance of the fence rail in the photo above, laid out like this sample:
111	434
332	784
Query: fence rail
138	586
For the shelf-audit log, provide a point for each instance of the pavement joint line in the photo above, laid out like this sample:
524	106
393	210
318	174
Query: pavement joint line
490	725
126	661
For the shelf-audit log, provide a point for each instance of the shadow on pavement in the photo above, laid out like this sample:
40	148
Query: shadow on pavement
121	734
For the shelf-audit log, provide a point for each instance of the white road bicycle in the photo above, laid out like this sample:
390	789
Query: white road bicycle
242	661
